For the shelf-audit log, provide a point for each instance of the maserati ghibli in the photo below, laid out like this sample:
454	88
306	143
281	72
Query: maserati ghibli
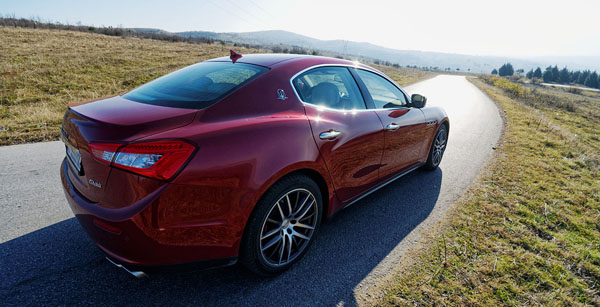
239	158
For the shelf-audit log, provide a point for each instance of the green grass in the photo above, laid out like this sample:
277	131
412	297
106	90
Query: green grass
42	71
528	232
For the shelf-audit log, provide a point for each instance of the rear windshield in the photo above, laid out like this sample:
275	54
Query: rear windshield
197	86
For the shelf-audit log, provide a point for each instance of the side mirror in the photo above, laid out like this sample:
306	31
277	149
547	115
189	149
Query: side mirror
417	101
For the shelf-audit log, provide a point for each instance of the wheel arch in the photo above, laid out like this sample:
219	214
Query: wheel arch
446	122
443	122
311	173
321	183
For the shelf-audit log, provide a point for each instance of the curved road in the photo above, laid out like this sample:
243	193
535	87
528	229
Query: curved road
46	259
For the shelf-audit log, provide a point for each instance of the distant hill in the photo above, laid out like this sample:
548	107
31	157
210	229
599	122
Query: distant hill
296	43
403	57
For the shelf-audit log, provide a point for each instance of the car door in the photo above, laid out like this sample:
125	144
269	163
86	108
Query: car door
404	127
349	137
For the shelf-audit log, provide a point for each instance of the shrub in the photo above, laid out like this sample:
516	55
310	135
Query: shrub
528	96
514	89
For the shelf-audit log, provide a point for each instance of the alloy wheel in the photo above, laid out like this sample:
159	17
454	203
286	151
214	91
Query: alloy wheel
439	146
289	227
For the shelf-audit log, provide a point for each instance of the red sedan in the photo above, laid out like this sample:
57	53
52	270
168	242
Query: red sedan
240	157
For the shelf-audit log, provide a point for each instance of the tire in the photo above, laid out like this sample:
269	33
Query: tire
438	147
292	201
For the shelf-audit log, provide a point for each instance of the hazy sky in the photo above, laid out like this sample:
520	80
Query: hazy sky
498	27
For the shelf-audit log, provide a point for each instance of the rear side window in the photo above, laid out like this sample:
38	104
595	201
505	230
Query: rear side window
332	87
197	86
384	93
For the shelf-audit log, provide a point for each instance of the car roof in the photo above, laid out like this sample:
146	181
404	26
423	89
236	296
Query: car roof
271	59
262	59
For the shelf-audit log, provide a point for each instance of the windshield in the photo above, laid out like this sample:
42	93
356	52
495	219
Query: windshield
197	86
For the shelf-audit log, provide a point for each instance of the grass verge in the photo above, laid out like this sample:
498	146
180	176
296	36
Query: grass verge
42	71
529	231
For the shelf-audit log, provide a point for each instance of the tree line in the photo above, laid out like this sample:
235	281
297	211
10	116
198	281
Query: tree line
555	75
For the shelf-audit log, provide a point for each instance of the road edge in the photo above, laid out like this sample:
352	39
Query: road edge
423	241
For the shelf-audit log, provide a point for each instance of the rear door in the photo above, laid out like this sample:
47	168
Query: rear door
349	137
404	127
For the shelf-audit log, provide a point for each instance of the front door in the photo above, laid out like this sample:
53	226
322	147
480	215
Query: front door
349	137
404	127
403	139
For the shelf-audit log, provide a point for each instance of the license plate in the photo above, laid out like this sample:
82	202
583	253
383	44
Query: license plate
74	156
72	152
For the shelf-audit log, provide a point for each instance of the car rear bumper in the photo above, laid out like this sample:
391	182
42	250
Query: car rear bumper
133	235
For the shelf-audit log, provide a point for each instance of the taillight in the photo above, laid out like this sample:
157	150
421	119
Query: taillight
158	159
104	152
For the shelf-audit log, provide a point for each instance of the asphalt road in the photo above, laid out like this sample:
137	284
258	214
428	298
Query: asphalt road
46	259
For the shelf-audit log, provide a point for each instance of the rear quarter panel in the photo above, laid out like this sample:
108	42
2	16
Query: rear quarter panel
245	144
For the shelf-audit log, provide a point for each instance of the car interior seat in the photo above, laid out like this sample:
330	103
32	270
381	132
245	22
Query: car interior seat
327	94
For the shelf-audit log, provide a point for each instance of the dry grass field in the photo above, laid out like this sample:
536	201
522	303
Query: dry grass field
528	233
405	76
42	71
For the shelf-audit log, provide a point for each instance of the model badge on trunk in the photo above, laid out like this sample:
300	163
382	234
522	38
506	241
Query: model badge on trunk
96	184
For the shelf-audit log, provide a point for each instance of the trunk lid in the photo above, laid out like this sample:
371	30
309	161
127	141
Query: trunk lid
112	120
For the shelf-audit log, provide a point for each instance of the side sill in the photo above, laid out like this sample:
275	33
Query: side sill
378	187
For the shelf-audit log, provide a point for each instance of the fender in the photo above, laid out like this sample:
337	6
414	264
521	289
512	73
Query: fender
434	116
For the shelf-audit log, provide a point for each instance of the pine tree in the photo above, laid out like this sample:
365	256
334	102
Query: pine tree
494	72
583	76
529	74
547	76
537	73
555	74
502	70
575	76
564	76
506	70
592	80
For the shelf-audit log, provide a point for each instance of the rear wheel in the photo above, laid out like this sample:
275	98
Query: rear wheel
436	152
282	226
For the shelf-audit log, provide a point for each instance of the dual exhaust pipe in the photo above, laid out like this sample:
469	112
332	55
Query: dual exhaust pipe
137	274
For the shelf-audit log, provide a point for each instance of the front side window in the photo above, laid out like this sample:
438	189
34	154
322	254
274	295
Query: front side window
385	94
332	87
196	86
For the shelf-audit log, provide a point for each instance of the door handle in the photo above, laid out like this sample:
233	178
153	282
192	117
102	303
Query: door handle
392	127
329	135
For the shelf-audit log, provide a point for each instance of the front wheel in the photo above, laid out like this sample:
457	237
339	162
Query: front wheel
282	226
437	148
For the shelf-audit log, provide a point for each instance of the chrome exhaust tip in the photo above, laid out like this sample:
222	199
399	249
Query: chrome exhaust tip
137	274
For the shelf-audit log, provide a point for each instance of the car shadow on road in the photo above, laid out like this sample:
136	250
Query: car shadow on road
60	265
